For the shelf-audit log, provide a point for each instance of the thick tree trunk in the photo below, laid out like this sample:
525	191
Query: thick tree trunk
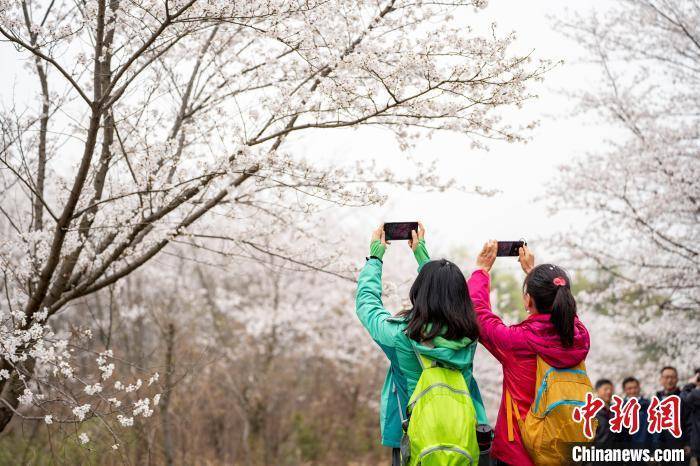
38	221
9	397
9	400
165	397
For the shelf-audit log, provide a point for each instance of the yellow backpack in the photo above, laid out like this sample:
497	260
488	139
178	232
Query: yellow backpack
549	426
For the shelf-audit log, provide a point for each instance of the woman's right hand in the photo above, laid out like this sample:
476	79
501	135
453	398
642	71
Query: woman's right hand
416	236
417	245
487	256
526	259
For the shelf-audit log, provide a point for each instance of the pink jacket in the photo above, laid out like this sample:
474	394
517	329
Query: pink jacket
516	347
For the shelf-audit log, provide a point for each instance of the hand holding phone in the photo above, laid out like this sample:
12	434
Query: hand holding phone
526	259
377	245
416	236
399	230
517	249
510	248
487	256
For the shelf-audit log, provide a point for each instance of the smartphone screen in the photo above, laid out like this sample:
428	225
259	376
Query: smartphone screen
509	248
399	230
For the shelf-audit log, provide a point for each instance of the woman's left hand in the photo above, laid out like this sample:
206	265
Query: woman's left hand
378	244
487	256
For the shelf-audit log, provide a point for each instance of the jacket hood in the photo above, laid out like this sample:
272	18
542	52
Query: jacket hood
546	343
455	353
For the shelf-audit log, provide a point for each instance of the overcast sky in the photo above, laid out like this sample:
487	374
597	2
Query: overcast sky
521	172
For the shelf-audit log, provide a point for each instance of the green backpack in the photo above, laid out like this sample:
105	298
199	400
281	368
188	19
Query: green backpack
441	426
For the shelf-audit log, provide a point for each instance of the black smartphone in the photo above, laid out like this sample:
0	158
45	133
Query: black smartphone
399	230
509	248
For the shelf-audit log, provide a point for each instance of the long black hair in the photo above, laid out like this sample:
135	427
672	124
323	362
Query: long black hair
440	304
550	288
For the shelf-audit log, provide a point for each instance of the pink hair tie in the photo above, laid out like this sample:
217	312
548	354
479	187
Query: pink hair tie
559	281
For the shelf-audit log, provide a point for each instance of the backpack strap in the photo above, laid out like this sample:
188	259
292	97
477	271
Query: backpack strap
398	405
424	361
510	408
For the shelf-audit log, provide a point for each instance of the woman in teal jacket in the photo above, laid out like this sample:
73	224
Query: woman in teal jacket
441	323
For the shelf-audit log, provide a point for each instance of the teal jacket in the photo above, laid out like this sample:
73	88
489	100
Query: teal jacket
404	370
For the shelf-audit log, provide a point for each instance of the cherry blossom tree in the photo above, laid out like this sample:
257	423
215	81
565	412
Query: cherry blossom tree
151	117
640	190
234	341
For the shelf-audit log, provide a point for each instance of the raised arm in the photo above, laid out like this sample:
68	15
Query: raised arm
417	245
368	300
497	337
493	333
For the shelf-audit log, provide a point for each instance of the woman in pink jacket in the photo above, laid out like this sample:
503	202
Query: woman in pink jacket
552	331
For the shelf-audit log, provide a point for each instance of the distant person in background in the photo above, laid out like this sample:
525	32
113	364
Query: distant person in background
632	389
603	435
691	399
669	382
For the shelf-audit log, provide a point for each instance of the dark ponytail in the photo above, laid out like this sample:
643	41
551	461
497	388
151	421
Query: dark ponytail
550	288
